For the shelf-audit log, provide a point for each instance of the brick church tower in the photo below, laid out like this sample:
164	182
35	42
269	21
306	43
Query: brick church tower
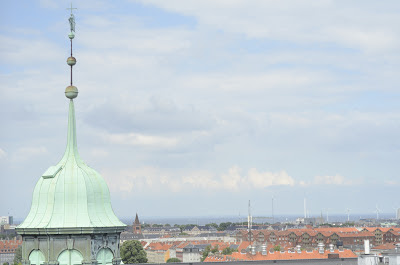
137	228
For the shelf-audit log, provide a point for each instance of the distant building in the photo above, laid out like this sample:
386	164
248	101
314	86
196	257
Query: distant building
349	237
192	253
137	227
6	220
8	230
125	236
294	254
310	221
161	231
197	230
7	250
158	252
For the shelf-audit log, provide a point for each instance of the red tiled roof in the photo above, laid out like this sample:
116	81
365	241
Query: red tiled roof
243	245
157	246
385	246
346	253
10	245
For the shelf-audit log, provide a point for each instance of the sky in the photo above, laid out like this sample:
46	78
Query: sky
192	108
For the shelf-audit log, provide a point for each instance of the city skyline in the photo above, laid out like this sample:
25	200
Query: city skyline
193	108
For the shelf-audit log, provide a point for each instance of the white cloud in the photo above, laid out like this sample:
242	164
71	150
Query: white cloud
3	153
329	180
176	181
266	179
308	86
136	139
302	21
98	152
29	51
28	152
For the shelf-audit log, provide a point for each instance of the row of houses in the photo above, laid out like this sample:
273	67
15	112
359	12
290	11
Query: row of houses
192	230
292	254
186	251
310	237
189	252
7	250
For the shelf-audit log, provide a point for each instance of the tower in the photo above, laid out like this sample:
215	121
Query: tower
137	228
71	220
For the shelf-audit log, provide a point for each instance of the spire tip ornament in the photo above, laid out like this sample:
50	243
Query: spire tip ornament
71	91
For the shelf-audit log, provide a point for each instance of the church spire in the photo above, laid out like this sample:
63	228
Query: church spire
71	91
71	198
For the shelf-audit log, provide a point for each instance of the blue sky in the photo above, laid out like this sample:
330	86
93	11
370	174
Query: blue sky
191	108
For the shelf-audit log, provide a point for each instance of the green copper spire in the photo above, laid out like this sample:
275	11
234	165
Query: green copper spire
71	197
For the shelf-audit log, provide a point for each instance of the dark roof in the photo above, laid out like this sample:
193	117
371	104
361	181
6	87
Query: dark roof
131	236
212	234
137	220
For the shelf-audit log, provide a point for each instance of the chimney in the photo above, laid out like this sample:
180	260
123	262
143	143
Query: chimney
264	249
331	249
298	247
253	250
321	249
366	246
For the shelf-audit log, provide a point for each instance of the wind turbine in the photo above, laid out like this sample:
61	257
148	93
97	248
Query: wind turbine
348	214
377	212
327	214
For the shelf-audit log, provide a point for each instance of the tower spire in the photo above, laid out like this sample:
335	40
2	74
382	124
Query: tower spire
71	91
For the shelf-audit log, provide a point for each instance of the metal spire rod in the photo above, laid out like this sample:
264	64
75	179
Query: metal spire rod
71	65
72	34
71	91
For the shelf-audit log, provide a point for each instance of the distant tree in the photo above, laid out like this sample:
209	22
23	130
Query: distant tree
213	225
183	234
228	251
5	263
223	226
133	252
173	260
18	255
215	249
167	225
182	227
206	252
348	224
277	248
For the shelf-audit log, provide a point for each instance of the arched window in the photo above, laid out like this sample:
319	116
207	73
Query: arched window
36	257
105	256
70	257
